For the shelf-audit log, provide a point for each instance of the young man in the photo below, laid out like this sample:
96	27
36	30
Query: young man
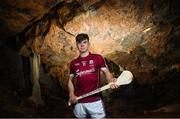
85	77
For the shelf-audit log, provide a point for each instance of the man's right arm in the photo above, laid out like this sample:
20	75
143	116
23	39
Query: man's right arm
72	96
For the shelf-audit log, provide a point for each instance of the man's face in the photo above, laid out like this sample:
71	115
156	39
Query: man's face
83	46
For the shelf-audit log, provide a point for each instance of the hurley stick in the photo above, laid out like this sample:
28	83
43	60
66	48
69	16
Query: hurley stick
125	78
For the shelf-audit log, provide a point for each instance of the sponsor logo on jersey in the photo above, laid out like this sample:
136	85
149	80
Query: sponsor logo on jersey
85	72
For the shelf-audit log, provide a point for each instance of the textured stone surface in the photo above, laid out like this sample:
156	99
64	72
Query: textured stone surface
16	15
125	32
137	35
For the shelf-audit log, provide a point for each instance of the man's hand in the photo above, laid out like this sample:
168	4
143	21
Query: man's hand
72	98
113	84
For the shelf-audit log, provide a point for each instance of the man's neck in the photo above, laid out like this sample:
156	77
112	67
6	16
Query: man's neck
84	54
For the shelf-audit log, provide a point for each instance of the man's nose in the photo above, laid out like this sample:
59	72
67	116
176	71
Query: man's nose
82	44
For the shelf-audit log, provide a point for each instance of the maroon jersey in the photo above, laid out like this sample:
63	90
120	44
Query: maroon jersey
86	71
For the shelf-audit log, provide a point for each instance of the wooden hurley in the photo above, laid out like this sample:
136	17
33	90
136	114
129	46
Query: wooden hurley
125	78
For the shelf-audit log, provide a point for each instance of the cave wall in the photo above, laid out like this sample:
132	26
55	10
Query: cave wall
16	15
136	36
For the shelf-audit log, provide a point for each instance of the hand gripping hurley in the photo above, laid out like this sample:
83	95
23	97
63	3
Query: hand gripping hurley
125	78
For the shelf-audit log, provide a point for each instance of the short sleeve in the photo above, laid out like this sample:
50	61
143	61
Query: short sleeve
102	63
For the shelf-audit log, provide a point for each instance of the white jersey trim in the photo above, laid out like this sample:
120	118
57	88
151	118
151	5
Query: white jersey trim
104	68
71	75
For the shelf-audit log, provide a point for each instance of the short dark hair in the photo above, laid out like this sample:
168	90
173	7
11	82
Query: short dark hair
82	36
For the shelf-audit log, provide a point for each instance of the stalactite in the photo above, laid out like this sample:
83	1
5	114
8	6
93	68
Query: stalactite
36	90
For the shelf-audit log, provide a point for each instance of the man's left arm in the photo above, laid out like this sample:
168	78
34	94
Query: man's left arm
110	78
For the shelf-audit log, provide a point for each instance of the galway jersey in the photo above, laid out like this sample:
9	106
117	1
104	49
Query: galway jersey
86	73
